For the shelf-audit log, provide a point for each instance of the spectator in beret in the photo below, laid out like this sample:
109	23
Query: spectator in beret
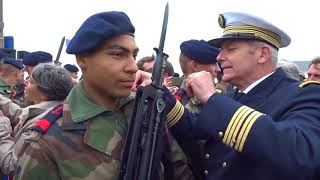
92	130
11	74
195	56
72	69
47	87
32	59
198	55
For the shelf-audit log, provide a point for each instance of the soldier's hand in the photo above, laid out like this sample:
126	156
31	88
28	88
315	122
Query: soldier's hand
142	79
1	113
200	85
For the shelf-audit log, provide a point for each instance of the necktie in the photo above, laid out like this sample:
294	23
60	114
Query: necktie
238	94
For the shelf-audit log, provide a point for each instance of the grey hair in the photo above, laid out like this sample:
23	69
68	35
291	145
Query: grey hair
53	81
274	51
290	68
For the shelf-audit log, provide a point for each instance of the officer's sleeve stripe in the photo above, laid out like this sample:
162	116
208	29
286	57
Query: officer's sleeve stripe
231	123
240	123
175	114
173	110
237	120
176	117
243	128
247	127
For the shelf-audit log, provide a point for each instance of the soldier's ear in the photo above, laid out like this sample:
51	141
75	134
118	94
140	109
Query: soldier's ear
194	65
81	62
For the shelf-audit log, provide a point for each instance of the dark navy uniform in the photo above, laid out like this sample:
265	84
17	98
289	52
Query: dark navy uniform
273	132
270	133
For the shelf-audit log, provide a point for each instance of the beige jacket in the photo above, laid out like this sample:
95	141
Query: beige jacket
11	140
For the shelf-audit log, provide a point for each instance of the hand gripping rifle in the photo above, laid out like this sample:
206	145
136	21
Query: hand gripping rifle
142	152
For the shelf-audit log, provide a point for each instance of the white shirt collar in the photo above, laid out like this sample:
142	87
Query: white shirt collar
256	83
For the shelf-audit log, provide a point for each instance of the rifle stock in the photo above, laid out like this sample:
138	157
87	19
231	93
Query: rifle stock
142	152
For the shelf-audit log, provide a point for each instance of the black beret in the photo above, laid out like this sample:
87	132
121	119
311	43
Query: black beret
97	29
200	51
16	63
71	68
34	58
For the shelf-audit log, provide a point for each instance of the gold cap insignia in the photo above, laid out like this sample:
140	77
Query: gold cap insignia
221	21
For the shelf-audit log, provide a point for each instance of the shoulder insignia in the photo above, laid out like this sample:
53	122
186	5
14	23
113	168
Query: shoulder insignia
306	83
43	125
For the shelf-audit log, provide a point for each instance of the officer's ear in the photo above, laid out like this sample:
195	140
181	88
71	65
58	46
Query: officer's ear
264	53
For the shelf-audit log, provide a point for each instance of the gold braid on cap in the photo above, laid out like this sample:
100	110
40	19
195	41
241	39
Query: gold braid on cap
258	32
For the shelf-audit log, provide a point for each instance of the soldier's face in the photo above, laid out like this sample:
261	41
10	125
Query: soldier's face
110	70
314	72
20	76
238	60
213	69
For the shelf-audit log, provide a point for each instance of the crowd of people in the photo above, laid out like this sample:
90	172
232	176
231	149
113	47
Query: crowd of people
235	112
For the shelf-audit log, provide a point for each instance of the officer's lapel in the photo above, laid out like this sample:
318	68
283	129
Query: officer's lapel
259	94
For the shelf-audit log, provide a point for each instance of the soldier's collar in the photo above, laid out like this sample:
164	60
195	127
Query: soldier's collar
82	108
3	82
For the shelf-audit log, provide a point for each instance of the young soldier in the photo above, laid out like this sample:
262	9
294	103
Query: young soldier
88	140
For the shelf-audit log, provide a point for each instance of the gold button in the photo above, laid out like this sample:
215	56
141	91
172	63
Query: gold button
220	134
207	156
206	172
224	164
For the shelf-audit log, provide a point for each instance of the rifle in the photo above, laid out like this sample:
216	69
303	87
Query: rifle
56	62
142	152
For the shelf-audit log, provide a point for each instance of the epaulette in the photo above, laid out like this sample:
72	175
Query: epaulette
43	125
307	83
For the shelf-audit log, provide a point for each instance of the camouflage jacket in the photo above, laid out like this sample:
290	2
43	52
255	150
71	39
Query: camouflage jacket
13	139
5	89
85	143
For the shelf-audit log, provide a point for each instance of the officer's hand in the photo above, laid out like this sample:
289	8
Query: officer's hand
1	113
142	79
200	85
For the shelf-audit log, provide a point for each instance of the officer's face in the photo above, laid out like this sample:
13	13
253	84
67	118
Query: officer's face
314	72
109	72
238	60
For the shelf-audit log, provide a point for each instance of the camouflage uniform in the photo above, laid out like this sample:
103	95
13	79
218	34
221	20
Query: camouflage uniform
85	143
24	118
194	150
5	89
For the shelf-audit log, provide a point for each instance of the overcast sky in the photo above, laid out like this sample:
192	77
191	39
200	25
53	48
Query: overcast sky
41	24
